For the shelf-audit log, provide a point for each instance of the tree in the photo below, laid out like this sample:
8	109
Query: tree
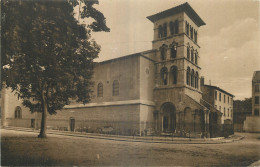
242	108
47	56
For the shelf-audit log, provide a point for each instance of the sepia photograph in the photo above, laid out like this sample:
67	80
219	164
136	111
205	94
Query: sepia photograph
130	83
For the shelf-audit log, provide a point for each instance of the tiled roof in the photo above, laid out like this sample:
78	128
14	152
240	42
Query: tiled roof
178	9
215	87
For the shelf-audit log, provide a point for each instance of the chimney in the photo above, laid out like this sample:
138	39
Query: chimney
202	81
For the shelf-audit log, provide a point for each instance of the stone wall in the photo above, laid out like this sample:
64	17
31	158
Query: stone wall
121	118
252	124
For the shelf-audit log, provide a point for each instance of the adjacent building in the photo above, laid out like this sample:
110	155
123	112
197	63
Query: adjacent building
220	99
256	93
156	90
222	102
252	123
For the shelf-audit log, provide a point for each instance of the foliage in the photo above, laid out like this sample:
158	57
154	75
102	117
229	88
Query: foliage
47	56
243	106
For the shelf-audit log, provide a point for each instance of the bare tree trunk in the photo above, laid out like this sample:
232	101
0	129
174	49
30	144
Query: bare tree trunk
44	118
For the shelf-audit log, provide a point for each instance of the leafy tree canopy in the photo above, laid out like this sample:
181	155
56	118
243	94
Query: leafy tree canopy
47	56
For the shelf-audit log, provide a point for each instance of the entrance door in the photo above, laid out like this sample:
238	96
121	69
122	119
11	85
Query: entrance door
168	117
72	124
165	123
32	123
213	124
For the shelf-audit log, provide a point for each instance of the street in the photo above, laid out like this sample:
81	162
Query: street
24	148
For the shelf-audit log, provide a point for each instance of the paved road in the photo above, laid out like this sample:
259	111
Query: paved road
24	148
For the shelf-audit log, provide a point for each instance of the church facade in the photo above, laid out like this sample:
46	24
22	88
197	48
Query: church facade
156	91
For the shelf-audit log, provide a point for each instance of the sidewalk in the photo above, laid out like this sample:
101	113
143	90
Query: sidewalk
146	139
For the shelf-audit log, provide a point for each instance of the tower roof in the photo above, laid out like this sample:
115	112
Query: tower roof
256	76
181	8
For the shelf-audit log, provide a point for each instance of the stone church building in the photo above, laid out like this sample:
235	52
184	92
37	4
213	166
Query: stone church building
156	91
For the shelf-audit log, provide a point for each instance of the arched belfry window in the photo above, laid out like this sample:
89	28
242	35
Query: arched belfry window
188	76
192	77
192	55
191	32
165	30
174	74
171	28
164	76
174	51
188	52
18	112
115	88
176	27
100	90
160	32
187	28
197	80
195	36
163	50
196	57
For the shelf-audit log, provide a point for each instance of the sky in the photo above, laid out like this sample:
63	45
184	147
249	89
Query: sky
230	50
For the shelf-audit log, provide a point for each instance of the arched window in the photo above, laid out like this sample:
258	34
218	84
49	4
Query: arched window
192	55
187	28
174	74
196	57
176	27
160	32
164	76
192	78
115	88
191	32
197	80
224	111
171	28
165	30
163	50
100	90
195	36
188	53
18	112
173	51
188	76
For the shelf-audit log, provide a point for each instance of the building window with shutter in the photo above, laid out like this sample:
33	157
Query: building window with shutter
256	99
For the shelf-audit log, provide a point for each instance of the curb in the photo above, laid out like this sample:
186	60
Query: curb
165	140
257	163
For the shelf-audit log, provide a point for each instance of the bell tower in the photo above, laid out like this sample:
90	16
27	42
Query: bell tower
177	49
